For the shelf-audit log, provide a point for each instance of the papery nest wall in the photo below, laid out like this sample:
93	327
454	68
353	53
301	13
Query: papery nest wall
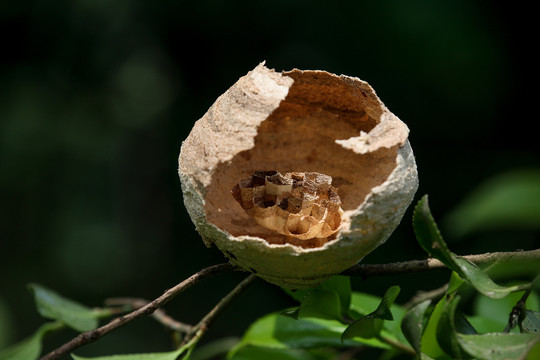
300	135
298	121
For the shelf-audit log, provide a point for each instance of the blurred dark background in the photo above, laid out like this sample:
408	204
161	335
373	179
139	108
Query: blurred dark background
96	97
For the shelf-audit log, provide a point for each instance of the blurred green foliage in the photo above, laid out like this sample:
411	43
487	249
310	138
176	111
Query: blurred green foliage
97	96
510	200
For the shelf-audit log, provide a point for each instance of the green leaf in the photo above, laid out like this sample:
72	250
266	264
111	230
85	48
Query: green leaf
510	200
494	308
412	325
429	237
450	324
341	285
363	304
29	348
455	283
370	325
51	305
531	322
508	268
496	346
251	352
320	303
383	310
429	344
491	315
479	280
275	331
366	328
486	325
428	234
215	348
171	355
533	350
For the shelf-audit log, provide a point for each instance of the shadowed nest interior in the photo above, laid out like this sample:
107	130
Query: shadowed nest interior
300	136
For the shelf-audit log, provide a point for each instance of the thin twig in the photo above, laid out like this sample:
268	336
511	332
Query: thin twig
517	312
413	266
198	330
397	345
159	314
93	335
422	296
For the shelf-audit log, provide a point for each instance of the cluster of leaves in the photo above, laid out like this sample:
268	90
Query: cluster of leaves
332	320
67	313
328	318
63	312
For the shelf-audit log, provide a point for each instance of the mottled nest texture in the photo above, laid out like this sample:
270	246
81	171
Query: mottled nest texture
308	122
301	206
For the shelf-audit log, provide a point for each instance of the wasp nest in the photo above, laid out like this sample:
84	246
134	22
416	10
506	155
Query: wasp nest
344	174
299	205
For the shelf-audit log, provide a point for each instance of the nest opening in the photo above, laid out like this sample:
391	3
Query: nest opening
300	136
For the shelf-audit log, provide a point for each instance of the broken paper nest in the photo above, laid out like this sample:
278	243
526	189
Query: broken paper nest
301	125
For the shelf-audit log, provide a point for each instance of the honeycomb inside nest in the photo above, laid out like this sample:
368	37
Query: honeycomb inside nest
301	205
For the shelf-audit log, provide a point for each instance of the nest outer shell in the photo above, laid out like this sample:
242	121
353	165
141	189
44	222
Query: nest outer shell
230	127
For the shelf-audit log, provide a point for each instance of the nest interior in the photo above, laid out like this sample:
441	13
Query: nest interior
300	136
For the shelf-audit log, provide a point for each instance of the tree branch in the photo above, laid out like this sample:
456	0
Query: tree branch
413	266
193	334
91	336
198	330
159	314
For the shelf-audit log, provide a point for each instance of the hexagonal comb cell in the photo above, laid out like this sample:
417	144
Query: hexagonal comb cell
296	204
